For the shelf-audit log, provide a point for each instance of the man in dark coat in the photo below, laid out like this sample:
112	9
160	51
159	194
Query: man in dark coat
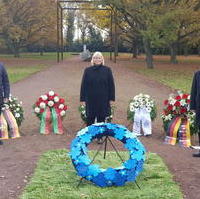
4	88
97	90
195	102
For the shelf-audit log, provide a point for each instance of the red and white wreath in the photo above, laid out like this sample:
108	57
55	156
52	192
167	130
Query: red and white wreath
51	100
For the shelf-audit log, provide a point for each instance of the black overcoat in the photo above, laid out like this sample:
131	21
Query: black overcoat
195	96
97	89
4	82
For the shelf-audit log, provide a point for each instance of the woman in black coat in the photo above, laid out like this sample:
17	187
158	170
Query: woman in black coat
195	102
4	88
97	90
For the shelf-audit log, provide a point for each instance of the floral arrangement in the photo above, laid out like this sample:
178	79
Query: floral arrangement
50	100
129	170
178	105
16	108
82	110
141	101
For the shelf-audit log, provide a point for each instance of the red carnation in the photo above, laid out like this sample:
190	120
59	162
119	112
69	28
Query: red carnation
169	107
188	101
166	102
177	103
185	96
166	112
62	101
41	110
178	97
183	110
65	108
50	98
37	103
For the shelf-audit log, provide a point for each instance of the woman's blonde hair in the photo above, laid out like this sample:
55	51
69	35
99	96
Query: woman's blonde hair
97	54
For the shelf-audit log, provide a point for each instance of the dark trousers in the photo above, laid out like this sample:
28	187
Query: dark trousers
91	120
199	135
1	142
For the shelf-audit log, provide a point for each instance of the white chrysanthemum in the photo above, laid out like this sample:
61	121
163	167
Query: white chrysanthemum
136	104
3	108
20	103
167	117
50	103
37	109
132	109
148	104
61	106
17	109
56	99
51	93
6	106
17	115
44	97
148	109
42	105
151	104
83	112
183	102
62	113
131	104
172	101
173	108
140	99
147	96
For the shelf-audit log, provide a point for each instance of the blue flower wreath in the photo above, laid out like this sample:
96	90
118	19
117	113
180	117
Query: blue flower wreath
129	170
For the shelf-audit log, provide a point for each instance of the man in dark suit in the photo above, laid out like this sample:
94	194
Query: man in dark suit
4	88
195	102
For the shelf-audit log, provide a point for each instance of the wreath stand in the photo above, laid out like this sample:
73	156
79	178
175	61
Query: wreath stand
105	143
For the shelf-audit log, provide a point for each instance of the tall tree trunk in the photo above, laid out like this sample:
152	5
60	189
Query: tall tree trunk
173	53
148	52
185	51
134	50
16	52
198	49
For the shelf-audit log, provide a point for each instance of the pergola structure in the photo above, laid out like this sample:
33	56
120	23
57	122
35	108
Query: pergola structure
61	7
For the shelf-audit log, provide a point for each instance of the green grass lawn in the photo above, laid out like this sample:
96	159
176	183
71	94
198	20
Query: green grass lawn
36	56
175	78
55	178
27	64
17	73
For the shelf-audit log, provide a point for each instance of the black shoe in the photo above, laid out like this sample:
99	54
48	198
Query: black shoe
99	141
1	142
197	155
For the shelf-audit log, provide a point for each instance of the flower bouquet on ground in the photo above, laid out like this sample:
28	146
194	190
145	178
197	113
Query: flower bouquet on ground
178	119
141	111
82	110
50	108
11	118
